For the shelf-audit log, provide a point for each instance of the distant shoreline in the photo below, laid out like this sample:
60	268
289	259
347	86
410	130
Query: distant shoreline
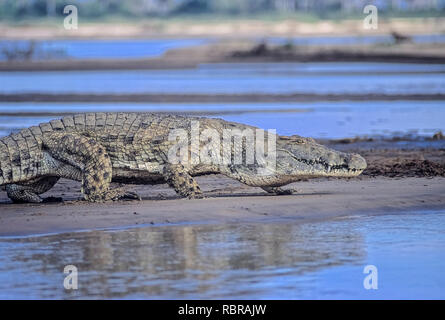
168	63
223	27
212	98
243	51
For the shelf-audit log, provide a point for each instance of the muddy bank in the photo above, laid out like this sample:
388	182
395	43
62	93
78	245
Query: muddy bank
227	202
96	64
408	156
292	53
232	57
209	98
406	168
245	51
396	181
405	163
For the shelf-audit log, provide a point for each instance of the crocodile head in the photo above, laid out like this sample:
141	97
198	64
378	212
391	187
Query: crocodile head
299	157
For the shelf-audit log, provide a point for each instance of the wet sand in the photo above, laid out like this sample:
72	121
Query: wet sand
397	180
227	202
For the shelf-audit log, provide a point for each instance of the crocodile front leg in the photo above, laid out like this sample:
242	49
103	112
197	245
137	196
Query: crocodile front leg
29	192
179	179
87	157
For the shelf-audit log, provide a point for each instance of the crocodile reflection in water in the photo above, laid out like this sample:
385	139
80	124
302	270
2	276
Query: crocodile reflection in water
178	261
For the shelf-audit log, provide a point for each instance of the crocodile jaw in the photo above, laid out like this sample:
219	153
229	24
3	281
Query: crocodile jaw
304	158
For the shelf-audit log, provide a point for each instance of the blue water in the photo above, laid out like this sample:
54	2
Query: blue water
323	260
273	78
321	119
94	49
318	120
350	119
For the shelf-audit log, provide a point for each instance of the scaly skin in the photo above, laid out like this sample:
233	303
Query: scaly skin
98	148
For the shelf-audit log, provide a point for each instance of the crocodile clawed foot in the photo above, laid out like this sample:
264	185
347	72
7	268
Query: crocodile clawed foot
28	199
128	195
52	200
287	191
279	191
125	195
196	196
113	195
19	194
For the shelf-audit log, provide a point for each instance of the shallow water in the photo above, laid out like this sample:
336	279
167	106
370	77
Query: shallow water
272	78
333	120
349	119
249	261
318	120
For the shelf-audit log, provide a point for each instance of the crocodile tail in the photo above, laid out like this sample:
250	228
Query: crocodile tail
5	168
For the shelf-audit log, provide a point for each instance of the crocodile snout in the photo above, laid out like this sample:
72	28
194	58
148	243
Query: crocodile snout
357	162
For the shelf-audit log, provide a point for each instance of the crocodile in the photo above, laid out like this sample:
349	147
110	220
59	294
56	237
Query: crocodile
133	148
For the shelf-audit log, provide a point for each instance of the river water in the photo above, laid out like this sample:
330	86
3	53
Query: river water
323	260
317	119
239	78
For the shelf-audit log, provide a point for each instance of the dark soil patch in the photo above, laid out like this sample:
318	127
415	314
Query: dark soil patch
410	168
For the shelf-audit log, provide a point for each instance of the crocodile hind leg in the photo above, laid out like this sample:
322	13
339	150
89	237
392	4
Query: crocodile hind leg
184	184
29	192
82	158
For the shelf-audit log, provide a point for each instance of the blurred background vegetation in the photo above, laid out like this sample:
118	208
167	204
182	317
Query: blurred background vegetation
18	10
